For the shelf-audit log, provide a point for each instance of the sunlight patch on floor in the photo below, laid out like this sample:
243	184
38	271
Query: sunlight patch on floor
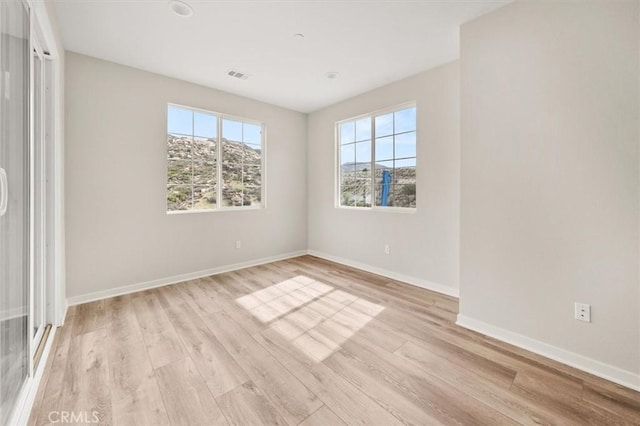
315	317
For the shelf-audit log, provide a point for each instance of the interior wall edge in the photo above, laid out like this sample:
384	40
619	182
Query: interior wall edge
175	279
417	282
572	359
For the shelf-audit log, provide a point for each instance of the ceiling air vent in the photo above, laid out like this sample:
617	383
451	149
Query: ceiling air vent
238	74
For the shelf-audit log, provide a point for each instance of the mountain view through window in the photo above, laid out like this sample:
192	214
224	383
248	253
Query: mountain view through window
378	160
212	161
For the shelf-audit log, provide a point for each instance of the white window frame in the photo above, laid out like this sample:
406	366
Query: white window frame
338	161
219	179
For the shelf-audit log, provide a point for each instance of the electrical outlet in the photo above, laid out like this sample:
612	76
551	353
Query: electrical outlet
387	250
238	244
582	312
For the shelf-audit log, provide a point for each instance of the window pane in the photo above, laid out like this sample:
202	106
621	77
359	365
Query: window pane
404	196
348	168
363	154
347	194
405	171
347	154
179	120
363	171
384	125
363	129
362	193
347	132
383	165
204	197
232	193
179	172
178	197
252	133
383	181
232	159
384	148
204	173
204	149
405	145
231	175
405	120
252	154
241	164
179	147
252	176
232	130
407	162
404	175
232	153
347	172
205	125
252	196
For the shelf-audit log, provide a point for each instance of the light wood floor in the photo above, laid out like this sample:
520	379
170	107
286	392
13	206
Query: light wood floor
305	342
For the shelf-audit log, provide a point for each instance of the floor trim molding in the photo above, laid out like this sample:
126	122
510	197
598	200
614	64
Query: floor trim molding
581	362
428	285
119	291
597	368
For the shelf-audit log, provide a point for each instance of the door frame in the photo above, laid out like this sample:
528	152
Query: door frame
42	30
37	154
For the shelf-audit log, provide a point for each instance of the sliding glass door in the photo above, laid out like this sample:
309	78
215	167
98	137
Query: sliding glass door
15	55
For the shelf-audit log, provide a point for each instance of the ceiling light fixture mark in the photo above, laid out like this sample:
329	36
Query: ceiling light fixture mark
332	75
181	8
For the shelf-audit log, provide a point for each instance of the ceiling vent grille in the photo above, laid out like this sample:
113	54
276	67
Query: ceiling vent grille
238	75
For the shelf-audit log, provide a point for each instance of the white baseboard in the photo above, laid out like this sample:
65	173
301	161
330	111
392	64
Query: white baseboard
428	285
21	415
119	291
62	320
592	366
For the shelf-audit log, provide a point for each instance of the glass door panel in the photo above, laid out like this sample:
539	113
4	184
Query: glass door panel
15	55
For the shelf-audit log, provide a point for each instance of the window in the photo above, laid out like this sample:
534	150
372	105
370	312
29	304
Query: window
377	160
213	161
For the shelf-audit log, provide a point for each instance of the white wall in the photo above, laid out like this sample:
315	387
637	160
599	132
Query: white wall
549	193
425	245
118	232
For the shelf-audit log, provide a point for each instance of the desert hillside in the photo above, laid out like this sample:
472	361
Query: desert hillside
192	174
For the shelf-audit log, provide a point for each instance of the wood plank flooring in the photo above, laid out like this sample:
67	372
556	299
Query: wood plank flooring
304	342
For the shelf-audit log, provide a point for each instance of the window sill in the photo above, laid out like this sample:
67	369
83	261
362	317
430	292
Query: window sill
403	210
222	210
